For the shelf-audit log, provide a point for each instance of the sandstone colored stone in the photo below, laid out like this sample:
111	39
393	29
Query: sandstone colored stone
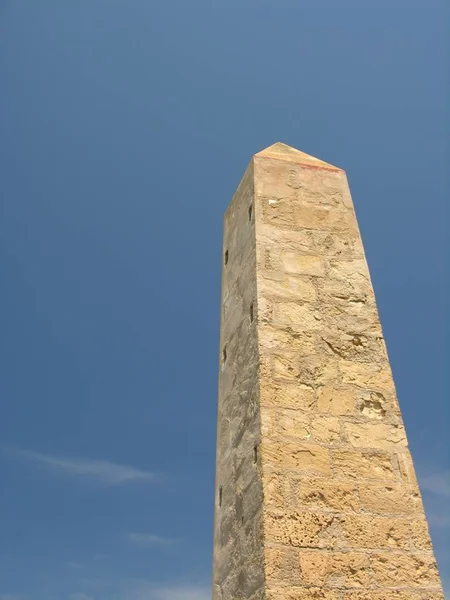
293	424
302	530
352	346
316	496
375	435
277	492
336	401
301	593
317	371
362	465
369	376
362	531
287	395
288	286
301	264
334	569
385	498
298	317
420	535
284	423
310	458
396	570
282	564
386	595
348	269
373	405
326	429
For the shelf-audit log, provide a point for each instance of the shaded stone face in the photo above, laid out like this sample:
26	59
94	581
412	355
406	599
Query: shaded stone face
316	496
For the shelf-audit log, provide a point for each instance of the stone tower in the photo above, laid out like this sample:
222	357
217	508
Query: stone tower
316	496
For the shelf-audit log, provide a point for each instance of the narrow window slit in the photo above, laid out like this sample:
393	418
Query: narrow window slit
225	259
250	212
251	312
255	454
220	496
224	355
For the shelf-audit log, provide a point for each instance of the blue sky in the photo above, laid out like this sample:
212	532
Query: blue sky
125	128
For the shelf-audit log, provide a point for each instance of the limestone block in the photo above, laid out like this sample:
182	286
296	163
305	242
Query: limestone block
362	465
395	570
287	395
298	317
277	490
285	341
375	435
282	564
301	264
363	531
420	535
369	376
385	498
336	401
301	530
277	284
317	494
292	424
300	593
326	430
335	569
309	458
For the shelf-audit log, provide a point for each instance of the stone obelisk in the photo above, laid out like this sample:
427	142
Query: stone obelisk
316	496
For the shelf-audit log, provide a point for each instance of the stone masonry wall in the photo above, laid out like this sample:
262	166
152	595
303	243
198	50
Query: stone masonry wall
343	515
238	540
316	496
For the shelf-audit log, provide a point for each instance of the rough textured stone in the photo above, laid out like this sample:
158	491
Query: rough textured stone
316	495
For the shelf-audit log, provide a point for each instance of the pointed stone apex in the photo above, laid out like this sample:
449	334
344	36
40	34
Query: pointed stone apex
282	151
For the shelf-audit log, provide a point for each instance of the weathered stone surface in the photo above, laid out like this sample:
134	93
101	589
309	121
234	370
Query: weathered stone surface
335	569
396	570
316	495
309	458
362	531
385	498
336	401
281	285
363	465
302	530
375	435
326	429
287	395
329	495
301	593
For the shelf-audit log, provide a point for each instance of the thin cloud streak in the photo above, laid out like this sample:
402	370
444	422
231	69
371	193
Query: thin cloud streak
148	591
101	472
148	539
180	593
438	484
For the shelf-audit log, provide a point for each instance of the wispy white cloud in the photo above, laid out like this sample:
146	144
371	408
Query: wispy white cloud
98	557
149	539
98	471
147	591
438	483
438	520
180	593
